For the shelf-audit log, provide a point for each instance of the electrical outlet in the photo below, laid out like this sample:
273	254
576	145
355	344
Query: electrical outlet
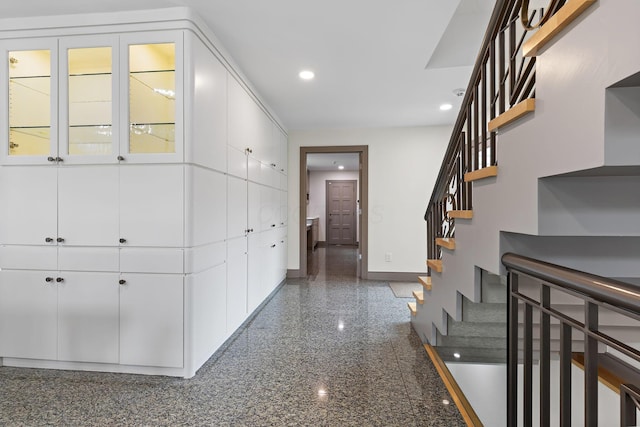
387	257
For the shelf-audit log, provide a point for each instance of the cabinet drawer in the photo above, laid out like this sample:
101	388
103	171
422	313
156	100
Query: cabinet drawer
151	260
29	257
88	259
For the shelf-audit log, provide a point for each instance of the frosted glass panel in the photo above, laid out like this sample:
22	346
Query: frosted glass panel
152	92
90	103
29	102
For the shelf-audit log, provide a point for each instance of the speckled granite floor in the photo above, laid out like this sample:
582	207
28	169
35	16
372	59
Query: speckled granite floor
329	350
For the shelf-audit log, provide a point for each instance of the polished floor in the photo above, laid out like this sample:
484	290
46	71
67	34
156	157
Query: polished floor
329	350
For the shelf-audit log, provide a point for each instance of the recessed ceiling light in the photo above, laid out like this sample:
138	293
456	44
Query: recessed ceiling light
445	107
306	75
340	167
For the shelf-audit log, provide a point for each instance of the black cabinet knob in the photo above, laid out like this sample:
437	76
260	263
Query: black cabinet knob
60	240
122	281
120	158
48	239
273	225
273	165
58	159
59	279
51	159
251	230
123	240
48	279
273	246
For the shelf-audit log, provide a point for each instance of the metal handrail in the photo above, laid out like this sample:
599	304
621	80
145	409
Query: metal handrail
595	292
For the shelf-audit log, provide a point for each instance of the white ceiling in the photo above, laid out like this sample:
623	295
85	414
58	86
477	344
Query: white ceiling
331	161
377	62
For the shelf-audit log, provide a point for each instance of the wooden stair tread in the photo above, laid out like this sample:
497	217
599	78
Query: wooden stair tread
449	243
419	296
514	113
483	173
558	22
462	214
413	308
435	264
425	281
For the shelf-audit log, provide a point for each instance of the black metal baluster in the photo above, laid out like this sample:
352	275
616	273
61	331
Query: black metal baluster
565	375
590	366
512	350
528	366
545	356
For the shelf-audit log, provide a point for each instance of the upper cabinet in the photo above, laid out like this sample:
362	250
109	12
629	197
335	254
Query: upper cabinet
153	97
93	99
29	90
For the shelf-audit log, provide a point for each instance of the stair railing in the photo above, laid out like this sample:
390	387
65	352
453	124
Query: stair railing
501	78
595	293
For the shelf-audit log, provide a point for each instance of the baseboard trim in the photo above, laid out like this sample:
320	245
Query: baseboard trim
394	276
294	274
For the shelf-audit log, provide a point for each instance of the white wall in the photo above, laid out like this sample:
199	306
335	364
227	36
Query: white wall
403	166
318	196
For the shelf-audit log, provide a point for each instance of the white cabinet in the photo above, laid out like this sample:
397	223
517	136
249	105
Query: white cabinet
151	205
88	205
284	208
28	314
151	320
88	317
237	264
237	224
29	205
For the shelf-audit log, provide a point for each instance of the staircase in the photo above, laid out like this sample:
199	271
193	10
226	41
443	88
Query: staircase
566	190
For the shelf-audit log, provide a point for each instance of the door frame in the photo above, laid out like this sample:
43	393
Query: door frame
327	210
363	183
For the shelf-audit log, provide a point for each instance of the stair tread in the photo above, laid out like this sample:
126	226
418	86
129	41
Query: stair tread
483	173
435	264
413	308
419	296
460	214
425	281
449	243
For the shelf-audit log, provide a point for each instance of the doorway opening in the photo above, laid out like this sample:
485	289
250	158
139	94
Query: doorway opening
333	225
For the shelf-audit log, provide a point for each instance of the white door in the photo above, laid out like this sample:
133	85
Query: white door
28	314
236	207
88	317
88	202
236	283
28	212
151	320
152	205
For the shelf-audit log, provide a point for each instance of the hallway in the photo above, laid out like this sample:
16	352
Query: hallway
329	350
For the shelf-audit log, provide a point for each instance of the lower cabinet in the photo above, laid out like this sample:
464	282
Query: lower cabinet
92	317
236	283
151	320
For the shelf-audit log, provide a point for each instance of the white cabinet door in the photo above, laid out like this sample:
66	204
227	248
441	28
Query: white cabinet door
88	205
284	208
253	207
28	314
152	205
284	152
206	211
255	271
88	319
236	207
151	320
29	205
240	115
236	283
269	208
237	162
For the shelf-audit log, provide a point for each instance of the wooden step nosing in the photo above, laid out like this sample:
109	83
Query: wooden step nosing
558	22
435	264
483	173
425	281
419	296
460	214
514	113
413	308
448	243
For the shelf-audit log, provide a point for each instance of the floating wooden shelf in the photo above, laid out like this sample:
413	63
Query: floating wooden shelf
435	264
412	308
481	174
419	296
514	113
425	281
558	22
448	243
460	214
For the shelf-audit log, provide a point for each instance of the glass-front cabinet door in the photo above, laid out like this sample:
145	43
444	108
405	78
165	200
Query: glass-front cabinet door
154	94
89	100
29	94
